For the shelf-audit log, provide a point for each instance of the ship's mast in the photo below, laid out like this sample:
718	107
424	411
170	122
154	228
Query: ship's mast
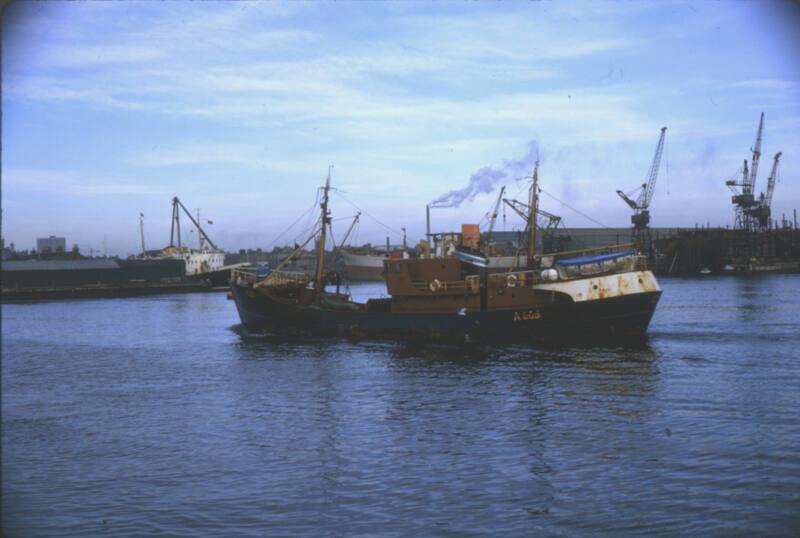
141	231
176	223
176	204
532	216
325	220
199	235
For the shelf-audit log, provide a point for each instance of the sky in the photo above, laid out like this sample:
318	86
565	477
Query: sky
109	109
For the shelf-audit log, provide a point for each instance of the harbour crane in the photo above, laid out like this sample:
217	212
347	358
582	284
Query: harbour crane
771	181
751	184
763	210
745	201
641	213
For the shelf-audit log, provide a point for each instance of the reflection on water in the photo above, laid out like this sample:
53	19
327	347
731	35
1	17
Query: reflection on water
151	416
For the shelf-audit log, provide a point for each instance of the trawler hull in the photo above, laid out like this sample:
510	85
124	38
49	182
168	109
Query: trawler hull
621	317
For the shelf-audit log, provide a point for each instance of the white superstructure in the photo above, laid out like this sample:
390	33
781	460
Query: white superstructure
206	259
199	262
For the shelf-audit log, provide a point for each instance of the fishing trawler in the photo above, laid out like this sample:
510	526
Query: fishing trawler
580	295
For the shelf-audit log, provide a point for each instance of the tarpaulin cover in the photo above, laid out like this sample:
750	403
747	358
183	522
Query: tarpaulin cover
594	259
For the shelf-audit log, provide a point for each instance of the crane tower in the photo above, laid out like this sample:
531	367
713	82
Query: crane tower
762	214
744	191
640	233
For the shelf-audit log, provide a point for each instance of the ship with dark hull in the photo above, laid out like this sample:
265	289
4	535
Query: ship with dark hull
606	307
204	264
607	293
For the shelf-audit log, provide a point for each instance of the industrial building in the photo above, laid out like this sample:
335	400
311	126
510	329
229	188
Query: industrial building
53	279
51	244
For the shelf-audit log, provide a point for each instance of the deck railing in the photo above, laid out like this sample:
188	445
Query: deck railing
586	251
514	278
471	284
276	278
285	278
243	276
529	277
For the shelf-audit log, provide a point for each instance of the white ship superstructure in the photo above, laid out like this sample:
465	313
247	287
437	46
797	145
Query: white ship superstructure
204	260
199	262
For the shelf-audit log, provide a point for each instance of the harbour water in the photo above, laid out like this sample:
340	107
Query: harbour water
150	416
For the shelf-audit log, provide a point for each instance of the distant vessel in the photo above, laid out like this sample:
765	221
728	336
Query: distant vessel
206	262
198	262
605	293
366	263
363	267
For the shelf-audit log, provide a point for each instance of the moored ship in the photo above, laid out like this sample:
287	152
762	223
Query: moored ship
605	293
363	266
205	259
207	262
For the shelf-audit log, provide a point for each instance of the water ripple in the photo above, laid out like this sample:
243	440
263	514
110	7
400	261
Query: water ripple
152	417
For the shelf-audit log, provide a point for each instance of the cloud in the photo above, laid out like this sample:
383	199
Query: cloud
83	57
191	153
70	183
404	100
765	84
181	66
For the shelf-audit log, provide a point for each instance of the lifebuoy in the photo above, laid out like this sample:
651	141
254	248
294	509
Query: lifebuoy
511	281
435	285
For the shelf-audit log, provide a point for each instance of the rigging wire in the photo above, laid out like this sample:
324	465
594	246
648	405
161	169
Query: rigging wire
305	214
523	187
368	214
584	215
333	238
314	219
306	231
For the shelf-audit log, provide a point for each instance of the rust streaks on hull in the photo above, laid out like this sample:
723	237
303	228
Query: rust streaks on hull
606	287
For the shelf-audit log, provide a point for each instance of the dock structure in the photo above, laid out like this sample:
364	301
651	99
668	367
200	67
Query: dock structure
563	239
723	250
687	251
35	279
